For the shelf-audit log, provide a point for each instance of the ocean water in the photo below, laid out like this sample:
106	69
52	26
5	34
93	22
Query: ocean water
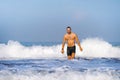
99	60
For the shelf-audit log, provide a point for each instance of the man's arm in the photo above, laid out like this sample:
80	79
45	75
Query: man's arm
63	44
78	42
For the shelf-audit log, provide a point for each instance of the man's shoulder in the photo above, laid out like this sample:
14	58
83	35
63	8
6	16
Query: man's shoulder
74	33
65	35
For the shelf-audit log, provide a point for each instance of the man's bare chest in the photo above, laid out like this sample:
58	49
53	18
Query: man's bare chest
70	37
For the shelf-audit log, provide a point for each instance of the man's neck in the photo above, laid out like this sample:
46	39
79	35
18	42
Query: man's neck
69	33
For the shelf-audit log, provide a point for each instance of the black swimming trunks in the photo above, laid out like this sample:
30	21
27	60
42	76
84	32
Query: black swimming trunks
70	50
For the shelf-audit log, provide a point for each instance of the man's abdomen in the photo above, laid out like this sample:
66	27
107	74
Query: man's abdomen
70	43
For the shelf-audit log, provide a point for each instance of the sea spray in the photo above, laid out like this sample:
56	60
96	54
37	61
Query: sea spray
92	47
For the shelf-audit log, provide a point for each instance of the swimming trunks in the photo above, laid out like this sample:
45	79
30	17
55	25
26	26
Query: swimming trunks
70	50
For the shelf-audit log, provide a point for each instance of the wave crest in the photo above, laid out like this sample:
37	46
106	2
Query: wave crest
92	47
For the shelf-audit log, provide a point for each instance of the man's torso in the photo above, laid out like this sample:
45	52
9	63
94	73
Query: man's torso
70	38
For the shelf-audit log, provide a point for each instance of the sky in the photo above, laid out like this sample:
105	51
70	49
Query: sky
46	20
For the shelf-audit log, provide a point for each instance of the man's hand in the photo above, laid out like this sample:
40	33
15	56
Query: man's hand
81	49
62	51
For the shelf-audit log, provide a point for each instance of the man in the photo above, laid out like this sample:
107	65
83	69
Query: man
70	38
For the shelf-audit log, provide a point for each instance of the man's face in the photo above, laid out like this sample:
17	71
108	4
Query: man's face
68	30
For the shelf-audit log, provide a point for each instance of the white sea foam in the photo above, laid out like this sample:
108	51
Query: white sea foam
95	47
70	75
92	47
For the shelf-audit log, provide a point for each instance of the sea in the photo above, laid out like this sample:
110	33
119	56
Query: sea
99	60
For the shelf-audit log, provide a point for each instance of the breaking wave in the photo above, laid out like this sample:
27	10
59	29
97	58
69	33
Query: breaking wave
92	47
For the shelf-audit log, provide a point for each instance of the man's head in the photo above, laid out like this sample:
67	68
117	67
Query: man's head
68	29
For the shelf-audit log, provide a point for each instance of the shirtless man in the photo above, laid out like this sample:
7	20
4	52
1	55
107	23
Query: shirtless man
70	38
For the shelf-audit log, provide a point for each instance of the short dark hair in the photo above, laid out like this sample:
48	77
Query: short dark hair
68	27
